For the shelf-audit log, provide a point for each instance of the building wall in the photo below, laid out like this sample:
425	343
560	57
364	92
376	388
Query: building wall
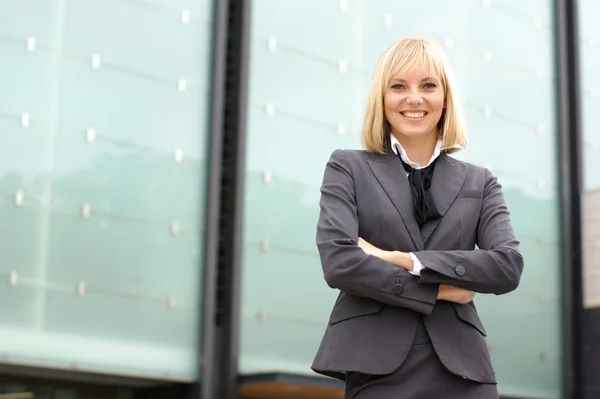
310	70
103	123
590	94
103	129
589	42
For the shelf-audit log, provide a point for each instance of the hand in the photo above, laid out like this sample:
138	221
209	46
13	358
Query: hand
371	249
455	294
399	259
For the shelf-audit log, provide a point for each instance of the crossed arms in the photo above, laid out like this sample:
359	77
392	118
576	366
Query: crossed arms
495	267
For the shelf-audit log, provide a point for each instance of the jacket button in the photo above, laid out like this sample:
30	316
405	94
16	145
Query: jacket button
460	270
398	289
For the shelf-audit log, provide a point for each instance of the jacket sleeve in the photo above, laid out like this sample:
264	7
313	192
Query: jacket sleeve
496	266
345	265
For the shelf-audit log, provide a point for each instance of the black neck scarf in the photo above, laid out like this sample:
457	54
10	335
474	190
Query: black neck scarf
420	183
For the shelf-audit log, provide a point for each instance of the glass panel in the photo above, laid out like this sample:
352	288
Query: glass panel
308	88
103	118
590	91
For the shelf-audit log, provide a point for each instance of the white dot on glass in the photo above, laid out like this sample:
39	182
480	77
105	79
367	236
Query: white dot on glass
387	20
174	227
272	44
341	128
538	22
593	93
95	61
342	66
81	288
13	278
181	85
25	119
596	146
178	155
86	211
487	56
539	75
185	16
268	176
171	302
19	196
90	135
448	42
486	3
487	111
541	184
261	315
264	245
31	44
539	128
270	109
344	5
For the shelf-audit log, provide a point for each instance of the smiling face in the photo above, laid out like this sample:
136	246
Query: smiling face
413	103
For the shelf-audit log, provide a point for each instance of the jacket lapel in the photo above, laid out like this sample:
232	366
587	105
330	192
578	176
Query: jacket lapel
390	174
448	178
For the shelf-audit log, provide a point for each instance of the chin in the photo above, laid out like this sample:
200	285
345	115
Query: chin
414	133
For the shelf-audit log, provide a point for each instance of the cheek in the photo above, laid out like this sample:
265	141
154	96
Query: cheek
440	102
390	103
388	108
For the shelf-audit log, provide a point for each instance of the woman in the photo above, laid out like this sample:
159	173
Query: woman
409	235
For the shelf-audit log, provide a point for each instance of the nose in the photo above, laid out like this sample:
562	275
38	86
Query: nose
414	97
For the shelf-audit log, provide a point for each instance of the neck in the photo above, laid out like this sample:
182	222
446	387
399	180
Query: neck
418	149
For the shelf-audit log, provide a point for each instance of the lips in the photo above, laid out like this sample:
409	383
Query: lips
413	114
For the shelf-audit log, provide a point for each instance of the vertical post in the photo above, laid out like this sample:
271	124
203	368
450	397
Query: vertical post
223	263
207	387
567	45
232	195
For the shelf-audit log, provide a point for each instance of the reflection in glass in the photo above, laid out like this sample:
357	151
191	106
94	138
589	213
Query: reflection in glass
103	125
308	88
590	90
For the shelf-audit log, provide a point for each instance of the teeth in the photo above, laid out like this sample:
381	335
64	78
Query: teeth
414	114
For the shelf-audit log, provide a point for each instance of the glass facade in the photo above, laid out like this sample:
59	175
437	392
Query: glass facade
589	50
103	123
310	69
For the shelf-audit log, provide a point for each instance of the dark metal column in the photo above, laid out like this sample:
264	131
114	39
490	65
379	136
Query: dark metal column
232	44
569	113
207	389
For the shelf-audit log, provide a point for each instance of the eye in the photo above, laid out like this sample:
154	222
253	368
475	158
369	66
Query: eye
430	86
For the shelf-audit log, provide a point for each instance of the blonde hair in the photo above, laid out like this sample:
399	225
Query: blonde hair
413	53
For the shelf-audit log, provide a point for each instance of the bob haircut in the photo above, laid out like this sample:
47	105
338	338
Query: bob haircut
413	53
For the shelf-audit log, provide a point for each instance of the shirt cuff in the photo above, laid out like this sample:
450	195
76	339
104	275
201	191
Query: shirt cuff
417	265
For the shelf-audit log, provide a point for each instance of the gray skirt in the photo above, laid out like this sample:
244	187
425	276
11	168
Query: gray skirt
421	376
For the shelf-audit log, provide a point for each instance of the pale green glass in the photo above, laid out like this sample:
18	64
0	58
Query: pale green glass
589	39
590	92
102	183
310	70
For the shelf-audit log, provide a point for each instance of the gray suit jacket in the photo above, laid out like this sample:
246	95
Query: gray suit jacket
375	317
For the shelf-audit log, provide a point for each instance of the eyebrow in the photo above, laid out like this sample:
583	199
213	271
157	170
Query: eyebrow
422	80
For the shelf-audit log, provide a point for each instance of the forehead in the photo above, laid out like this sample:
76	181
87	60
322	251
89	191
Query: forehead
414	73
